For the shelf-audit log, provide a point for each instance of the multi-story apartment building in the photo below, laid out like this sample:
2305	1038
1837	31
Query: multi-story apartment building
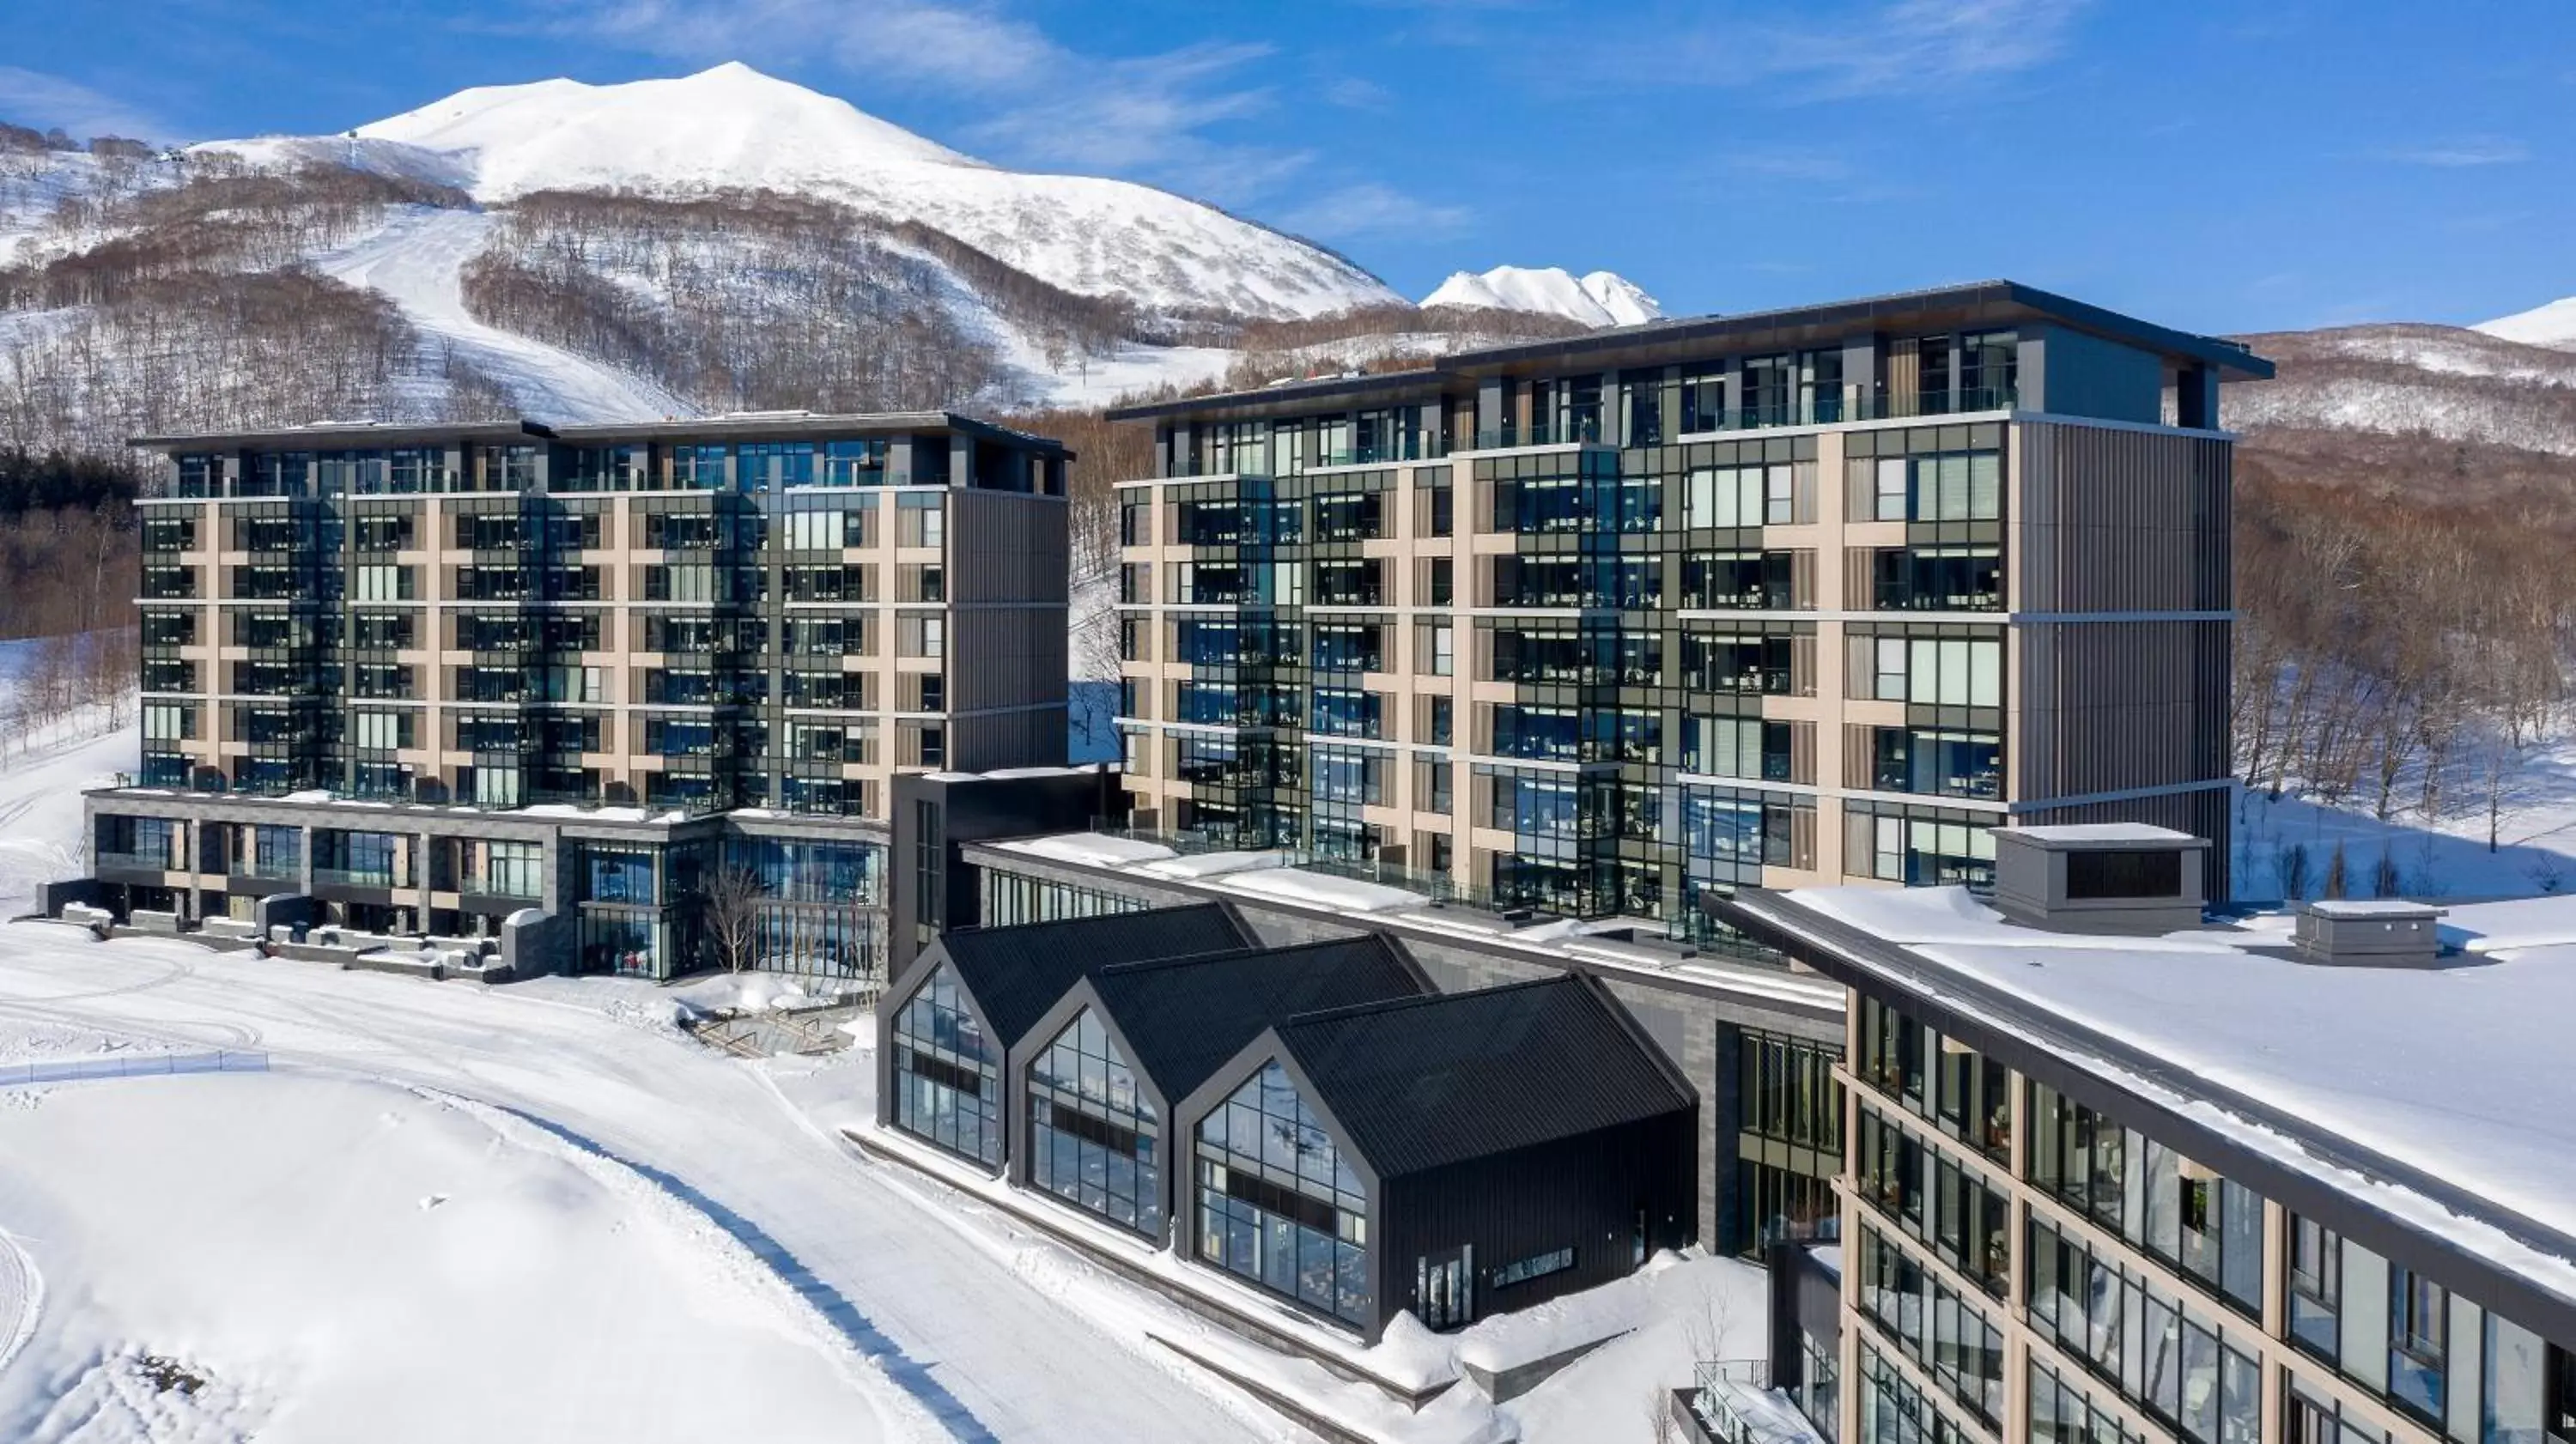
581	666
2281	1179
1605	624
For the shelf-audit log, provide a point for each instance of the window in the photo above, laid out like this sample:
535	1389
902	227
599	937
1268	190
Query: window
169	721
381	731
513	869
2123	874
920	634
1521	1271
1094	1139
946	1076
383	584
918	520
2418	1337
2316	1286
1276	1203
1931	672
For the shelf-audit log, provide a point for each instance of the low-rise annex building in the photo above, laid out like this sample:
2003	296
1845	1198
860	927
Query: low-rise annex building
1314	1120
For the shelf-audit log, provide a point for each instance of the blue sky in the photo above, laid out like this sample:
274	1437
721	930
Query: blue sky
2224	168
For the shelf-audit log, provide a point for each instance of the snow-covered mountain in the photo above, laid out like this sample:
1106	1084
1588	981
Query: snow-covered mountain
2552	325
724	240
1602	298
733	128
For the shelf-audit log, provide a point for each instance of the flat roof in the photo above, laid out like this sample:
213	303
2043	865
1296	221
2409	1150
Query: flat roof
2441	1098
1265	879
1974	304
345	433
738	425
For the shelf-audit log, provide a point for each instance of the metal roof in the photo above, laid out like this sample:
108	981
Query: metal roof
742	425
1980	303
327	435
1184	1017
1426	1082
1017	973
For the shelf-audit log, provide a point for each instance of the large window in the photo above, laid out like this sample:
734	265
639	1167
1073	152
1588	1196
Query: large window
1276	1203
1936	1327
513	869
947	1077
2192	1373
1093	1139
2207	1227
2418	1341
1011	899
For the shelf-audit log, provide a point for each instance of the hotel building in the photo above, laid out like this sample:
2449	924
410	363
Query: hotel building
1596	626
427	677
2121	1176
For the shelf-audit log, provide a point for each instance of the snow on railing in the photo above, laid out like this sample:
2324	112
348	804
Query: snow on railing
72	1070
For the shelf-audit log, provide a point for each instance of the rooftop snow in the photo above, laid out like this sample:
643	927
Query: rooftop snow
2103	832
1261	877
2456	1071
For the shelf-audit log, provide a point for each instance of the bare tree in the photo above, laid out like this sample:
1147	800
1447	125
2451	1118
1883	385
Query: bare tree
731	913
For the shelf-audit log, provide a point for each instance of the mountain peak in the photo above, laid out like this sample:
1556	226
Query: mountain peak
727	125
2553	325
1602	298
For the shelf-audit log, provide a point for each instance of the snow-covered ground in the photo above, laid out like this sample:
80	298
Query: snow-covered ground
2442	857
595	1066
316	1252
42	772
416	260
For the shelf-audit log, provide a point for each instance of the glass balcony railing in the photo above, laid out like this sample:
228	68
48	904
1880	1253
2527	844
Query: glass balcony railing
360	877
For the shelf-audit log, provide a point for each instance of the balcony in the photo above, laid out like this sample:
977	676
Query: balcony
151	862
382	879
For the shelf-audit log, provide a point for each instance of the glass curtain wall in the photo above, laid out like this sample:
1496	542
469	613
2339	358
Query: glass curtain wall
947	1076
1094	1141
1276	1203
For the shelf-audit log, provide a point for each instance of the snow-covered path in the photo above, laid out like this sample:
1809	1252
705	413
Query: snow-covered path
416	259
991	1357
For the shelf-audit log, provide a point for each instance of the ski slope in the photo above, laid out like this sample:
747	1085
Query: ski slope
417	260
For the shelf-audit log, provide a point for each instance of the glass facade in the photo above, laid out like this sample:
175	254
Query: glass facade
1093	1139
1012	898
1276	1203
947	1075
1789	1141
2143	1278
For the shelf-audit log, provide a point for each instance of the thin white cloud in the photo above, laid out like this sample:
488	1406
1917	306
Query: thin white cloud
34	98
1054	106
2458	154
1916	45
1374	209
1895	47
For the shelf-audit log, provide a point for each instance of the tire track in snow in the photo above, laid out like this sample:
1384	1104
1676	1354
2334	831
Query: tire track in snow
22	1298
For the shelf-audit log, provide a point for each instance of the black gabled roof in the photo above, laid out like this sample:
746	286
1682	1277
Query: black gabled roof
1432	1081
1017	973
1183	1018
